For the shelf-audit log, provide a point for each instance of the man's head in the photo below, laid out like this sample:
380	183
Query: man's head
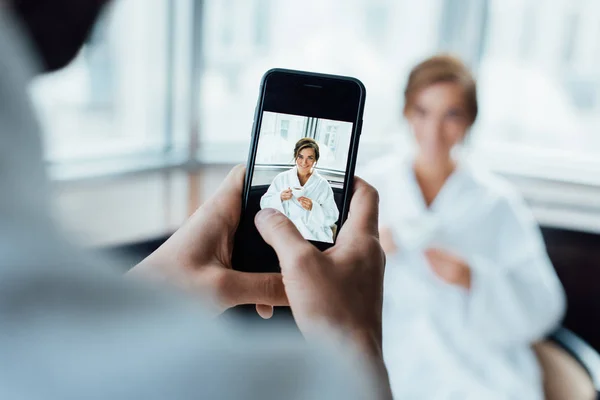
57	28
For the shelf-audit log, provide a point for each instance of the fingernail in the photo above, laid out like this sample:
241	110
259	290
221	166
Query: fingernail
262	215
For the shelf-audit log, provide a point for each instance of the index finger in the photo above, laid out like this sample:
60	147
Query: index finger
282	235
226	203
364	209
230	190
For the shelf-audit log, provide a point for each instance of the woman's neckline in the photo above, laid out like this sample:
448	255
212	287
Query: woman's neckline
442	183
300	180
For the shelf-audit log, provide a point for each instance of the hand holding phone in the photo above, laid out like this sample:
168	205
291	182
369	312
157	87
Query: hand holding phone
301	162
322	306
312	278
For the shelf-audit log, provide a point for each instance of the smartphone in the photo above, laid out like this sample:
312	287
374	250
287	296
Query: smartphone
301	162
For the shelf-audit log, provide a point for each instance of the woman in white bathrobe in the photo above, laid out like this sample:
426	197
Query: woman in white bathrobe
469	286
304	196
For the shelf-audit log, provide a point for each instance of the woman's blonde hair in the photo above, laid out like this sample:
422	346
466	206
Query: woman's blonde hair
306	143
438	69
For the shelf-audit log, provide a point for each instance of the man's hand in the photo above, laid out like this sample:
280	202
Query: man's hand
197	258
342	287
449	268
306	203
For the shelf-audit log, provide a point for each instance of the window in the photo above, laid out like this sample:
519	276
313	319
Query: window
334	135
131	89
329	138
115	98
279	134
277	144
366	39
543	112
571	30
376	20
536	64
283	130
227	27
261	33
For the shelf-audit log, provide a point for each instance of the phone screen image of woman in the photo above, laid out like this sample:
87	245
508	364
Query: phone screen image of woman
300	169
301	160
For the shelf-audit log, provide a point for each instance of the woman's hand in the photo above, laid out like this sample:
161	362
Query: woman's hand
449	268
306	203
286	194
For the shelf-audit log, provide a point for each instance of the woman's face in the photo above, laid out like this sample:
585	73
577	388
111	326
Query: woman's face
305	160
439	120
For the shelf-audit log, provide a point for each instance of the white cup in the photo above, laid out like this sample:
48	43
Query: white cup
297	191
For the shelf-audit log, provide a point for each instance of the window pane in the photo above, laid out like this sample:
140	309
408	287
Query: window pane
280	132
539	77
112	99
535	61
374	40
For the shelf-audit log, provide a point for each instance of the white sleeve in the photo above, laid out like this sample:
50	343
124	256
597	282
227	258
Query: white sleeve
517	297
324	210
272	198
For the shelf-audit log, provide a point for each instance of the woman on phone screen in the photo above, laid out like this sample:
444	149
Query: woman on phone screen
304	196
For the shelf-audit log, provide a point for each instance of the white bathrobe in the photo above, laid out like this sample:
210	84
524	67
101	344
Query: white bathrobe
442	341
315	224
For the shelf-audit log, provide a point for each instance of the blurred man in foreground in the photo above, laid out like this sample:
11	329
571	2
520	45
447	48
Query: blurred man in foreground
73	328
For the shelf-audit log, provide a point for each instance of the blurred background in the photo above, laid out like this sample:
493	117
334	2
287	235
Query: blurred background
159	105
128	91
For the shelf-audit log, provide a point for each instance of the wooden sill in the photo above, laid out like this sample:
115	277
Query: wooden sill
134	208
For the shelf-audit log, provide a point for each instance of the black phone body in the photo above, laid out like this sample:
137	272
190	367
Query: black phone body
294	106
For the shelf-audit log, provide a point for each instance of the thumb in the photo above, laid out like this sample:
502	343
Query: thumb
252	288
281	234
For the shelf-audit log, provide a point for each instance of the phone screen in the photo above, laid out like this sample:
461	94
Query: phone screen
300	170
301	163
